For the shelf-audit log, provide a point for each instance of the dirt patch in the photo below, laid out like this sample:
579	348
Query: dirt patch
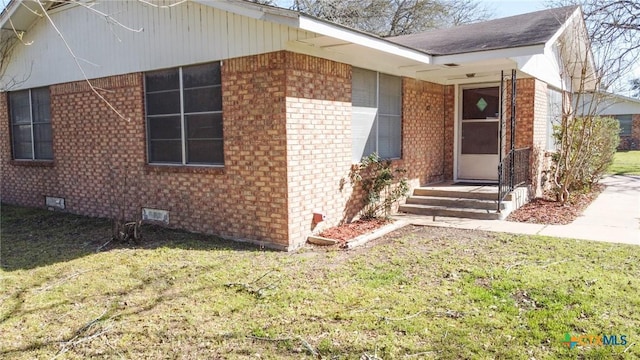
352	230
523	300
547	211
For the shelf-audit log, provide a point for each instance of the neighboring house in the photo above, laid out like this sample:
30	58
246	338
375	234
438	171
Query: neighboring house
244	120
624	109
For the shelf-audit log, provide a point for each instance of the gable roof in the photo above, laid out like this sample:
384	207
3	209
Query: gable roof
483	49
515	31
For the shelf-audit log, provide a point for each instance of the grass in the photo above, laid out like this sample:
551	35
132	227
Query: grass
626	163
417	293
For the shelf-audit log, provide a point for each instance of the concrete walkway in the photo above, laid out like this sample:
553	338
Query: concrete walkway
613	217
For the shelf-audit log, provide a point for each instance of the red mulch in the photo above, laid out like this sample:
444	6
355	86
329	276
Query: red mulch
351	230
546	211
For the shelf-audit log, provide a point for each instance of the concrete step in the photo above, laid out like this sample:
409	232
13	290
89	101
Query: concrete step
478	195
452	202
431	210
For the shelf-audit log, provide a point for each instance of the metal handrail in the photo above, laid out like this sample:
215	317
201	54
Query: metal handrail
513	171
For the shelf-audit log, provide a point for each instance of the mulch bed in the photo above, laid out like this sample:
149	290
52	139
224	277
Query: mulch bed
547	211
352	230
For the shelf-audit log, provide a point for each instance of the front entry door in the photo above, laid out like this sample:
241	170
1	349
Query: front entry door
479	134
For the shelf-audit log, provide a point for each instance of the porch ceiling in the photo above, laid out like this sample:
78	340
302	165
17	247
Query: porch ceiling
374	59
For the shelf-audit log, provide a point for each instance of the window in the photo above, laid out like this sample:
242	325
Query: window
554	116
184	115
376	122
31	124
625	124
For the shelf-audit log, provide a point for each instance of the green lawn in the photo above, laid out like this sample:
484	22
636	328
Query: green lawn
418	293
626	163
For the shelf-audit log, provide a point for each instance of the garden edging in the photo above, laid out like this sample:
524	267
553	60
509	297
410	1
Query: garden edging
362	239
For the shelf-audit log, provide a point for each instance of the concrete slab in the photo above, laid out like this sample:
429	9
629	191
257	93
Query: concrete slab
613	217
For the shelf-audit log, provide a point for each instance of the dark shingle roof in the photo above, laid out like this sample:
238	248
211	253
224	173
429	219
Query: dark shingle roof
514	31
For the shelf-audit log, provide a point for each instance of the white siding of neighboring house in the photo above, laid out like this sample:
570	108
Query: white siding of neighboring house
609	104
185	34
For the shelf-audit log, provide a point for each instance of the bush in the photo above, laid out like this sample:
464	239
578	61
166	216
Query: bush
586	149
382	185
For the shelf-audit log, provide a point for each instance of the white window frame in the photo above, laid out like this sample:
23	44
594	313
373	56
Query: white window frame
550	141
378	114
31	126
183	124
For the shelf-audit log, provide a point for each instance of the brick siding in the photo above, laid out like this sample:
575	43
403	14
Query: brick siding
428	118
318	142
100	162
540	115
531	126
287	151
525	112
540	159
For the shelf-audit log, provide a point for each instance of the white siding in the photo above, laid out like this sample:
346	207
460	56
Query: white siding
184	34
544	67
610	104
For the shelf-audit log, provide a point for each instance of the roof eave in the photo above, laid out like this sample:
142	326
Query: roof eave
577	12
255	11
340	32
474	56
308	23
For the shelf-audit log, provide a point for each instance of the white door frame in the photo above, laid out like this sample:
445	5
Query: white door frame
457	129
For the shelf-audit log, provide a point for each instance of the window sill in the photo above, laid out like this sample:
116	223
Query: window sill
393	161
33	163
183	169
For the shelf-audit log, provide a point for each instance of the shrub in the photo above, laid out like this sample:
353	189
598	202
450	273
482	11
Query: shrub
382	185
586	149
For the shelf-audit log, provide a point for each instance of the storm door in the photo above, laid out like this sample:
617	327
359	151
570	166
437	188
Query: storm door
479	134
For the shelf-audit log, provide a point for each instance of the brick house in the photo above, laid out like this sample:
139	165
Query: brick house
243	120
624	109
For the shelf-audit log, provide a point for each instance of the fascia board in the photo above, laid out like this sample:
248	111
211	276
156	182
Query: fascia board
488	55
358	38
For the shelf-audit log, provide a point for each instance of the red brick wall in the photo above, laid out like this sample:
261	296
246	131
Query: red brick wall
287	132
100	164
525	112
318	142
78	141
540	116
22	183
428	118
540	160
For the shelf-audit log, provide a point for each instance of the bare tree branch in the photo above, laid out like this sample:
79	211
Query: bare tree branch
395	17
76	59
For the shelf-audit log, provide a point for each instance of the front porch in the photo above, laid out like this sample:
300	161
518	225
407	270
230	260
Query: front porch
464	200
